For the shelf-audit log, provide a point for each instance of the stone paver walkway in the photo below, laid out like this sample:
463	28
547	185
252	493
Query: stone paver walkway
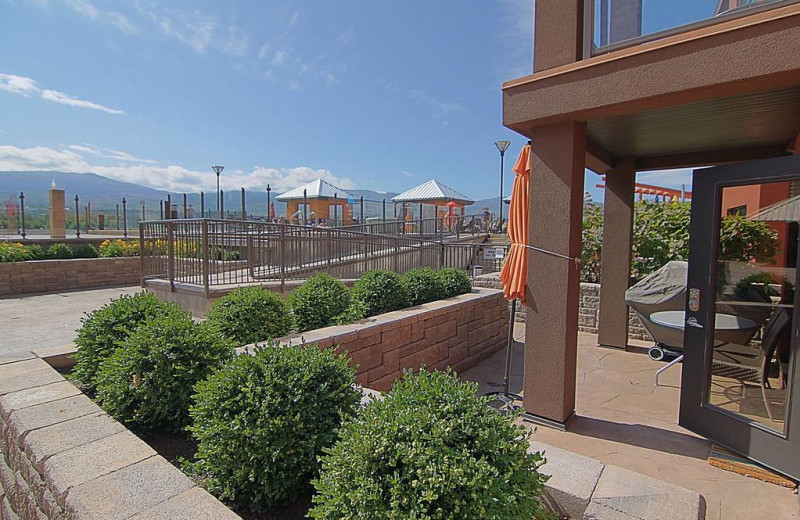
623	420
49	320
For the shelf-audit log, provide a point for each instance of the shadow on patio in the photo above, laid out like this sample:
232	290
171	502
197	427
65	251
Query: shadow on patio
622	419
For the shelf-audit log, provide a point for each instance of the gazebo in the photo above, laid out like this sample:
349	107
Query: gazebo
319	196
434	193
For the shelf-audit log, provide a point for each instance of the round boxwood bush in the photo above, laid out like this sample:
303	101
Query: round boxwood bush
251	314
58	252
85	251
318	300
455	281
432	449
262	421
380	291
147	383
423	285
103	329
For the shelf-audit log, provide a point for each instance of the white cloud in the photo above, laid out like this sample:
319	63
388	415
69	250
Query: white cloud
198	31
91	11
441	108
27	86
667	178
171	177
106	153
18	84
64	99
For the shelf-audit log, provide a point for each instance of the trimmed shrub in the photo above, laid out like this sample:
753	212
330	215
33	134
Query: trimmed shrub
423	285
454	281
85	251
147	383
379	292
16	252
262	421
59	252
318	300
122	248
251	314
356	311
103	329
432	449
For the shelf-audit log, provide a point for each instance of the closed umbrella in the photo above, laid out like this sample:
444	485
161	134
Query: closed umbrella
515	269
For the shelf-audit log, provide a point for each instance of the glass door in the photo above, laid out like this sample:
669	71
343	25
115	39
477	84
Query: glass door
741	328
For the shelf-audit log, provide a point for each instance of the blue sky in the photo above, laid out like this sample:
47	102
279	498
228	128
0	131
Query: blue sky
371	95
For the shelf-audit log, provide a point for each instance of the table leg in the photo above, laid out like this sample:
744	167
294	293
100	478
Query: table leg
667	366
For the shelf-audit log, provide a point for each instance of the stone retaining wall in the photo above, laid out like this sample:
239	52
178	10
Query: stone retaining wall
64	458
459	332
588	311
47	276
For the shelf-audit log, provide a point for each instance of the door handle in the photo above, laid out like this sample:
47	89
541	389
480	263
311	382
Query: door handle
692	322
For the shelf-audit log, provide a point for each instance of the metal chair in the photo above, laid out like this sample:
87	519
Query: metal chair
748	365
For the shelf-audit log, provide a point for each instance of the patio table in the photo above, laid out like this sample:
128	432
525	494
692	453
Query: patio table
677	320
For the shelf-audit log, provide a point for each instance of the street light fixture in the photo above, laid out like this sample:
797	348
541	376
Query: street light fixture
502	146
218	169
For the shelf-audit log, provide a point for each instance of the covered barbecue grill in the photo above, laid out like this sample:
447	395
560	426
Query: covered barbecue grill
665	290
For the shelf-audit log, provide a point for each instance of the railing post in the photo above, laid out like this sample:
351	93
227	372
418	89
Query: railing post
77	218
206	269
396	254
124	217
170	256
366	246
202	205
185	207
329	247
384	210
441	254
244	210
22	211
282	259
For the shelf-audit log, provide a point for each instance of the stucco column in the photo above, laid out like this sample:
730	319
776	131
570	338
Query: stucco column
553	284
616	261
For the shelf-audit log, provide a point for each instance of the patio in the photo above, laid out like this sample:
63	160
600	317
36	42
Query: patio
623	420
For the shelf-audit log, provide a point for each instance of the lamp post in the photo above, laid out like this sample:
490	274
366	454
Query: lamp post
269	215
502	146
218	169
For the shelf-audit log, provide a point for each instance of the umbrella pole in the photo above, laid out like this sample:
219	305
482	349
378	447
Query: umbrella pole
509	345
505	400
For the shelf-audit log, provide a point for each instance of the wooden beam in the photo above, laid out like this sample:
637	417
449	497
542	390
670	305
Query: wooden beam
691	160
598	159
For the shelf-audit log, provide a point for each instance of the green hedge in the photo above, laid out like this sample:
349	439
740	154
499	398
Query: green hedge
432	449
318	300
251	314
454	281
148	382
102	330
380	291
262	421
85	251
58	252
423	285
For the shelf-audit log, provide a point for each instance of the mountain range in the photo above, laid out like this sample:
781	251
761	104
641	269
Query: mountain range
105	193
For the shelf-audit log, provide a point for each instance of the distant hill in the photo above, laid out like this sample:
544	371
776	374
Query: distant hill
105	193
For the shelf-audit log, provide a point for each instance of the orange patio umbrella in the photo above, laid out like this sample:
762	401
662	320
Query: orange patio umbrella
515	270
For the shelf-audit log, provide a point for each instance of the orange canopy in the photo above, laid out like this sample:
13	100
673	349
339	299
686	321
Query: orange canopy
515	270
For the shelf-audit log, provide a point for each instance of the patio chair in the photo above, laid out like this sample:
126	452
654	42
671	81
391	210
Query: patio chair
748	365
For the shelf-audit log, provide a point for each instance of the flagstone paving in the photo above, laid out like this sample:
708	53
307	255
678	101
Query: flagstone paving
39	321
624	421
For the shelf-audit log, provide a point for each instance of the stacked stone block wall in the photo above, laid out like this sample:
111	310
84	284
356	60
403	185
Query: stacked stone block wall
64	458
48	276
588	311
458	332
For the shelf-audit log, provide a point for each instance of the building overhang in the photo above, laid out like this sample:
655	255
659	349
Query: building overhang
726	92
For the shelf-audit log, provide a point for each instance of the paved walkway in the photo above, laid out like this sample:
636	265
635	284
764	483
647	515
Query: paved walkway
623	420
49	320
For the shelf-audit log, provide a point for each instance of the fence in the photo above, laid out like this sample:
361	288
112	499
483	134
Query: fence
212	252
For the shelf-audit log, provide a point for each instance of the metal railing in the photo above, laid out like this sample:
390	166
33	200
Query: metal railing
439	227
212	252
